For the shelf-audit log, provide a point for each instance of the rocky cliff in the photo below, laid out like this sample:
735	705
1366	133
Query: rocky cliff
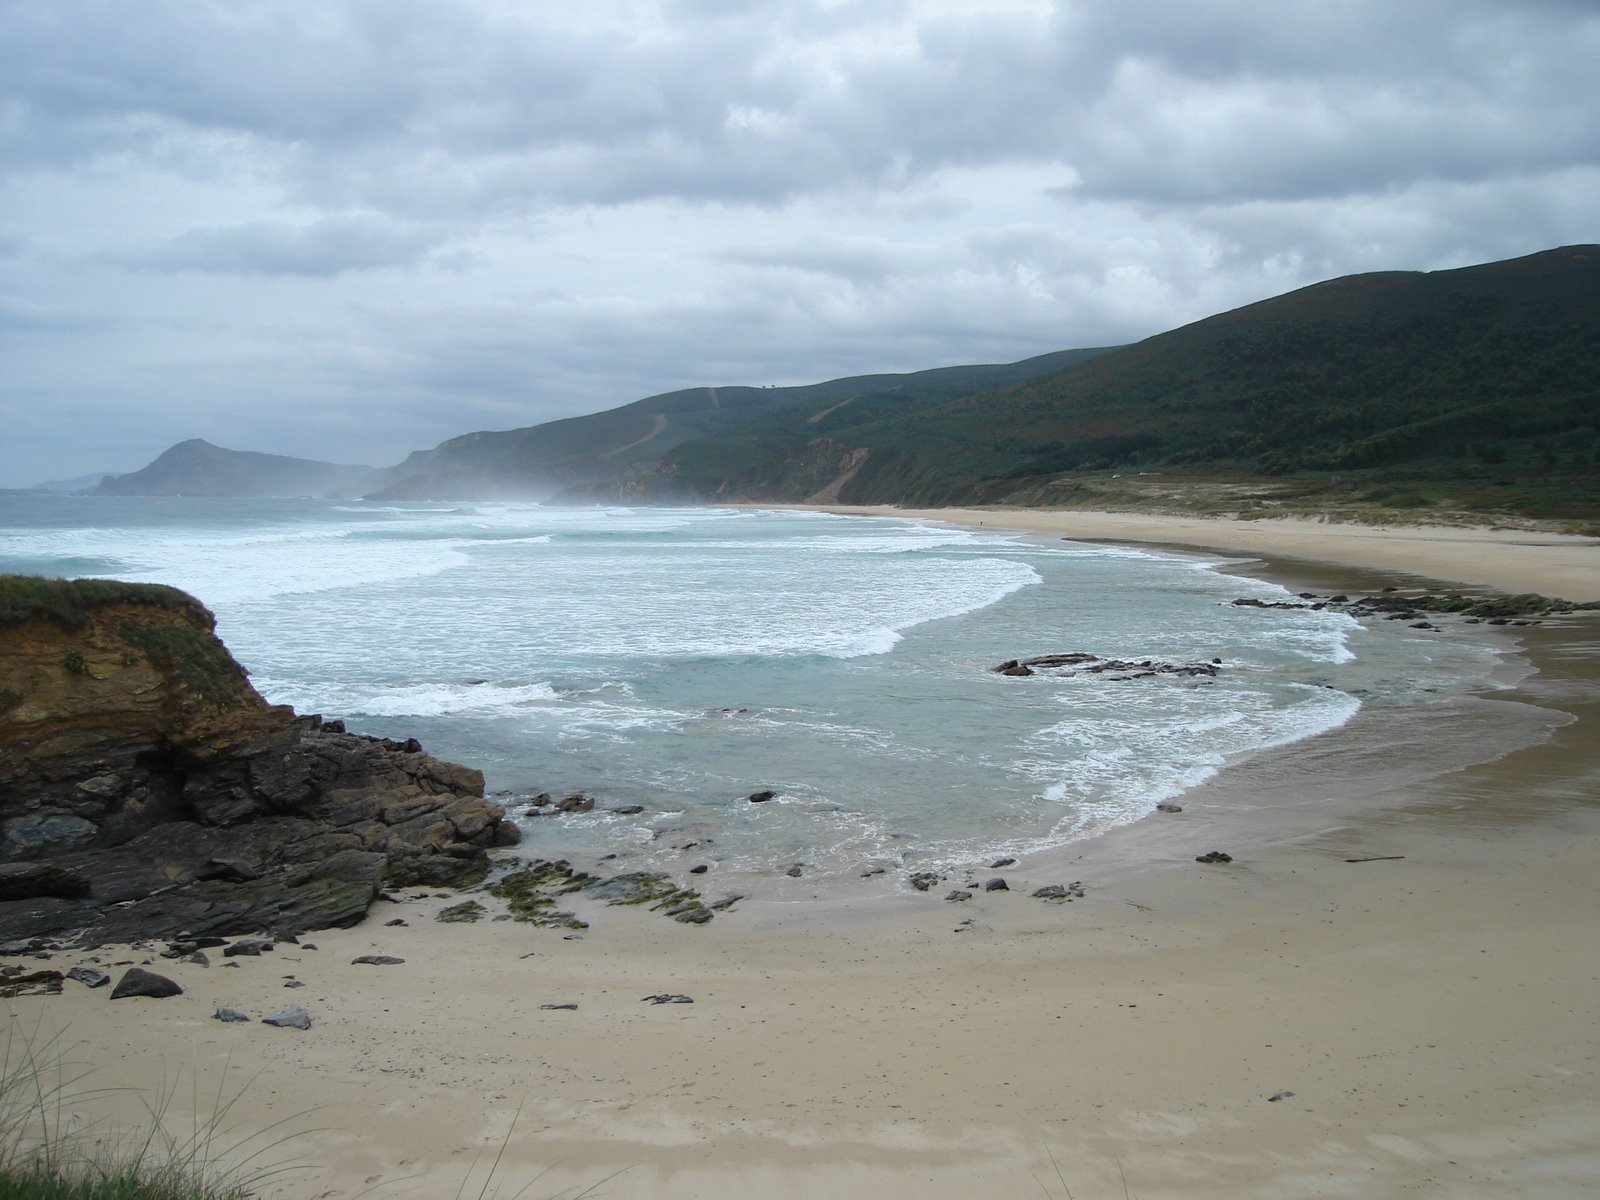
147	790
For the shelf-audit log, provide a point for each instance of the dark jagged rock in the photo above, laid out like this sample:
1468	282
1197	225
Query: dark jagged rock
1495	608
464	913
90	977
998	863
31	983
958	895
577	803
136	981
249	947
923	880
292	1017
761	797
997	885
670	998
135	757
1279	604
1114	668
1061	893
31	881
1214	856
1166	806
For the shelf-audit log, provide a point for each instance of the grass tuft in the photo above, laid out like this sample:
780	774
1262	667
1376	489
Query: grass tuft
47	1154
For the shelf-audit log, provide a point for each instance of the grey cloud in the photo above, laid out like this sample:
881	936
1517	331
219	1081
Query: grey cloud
325	247
1143	100
778	193
21	315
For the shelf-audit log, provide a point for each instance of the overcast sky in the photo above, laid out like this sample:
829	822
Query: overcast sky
347	229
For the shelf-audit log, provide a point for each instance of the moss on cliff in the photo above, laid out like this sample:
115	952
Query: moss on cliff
171	629
68	602
200	660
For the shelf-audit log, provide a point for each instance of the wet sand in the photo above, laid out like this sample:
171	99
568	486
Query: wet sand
1431	1008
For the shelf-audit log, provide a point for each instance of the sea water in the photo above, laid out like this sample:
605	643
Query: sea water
683	659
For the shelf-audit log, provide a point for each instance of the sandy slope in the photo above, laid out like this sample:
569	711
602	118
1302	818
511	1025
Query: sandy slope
1432	1014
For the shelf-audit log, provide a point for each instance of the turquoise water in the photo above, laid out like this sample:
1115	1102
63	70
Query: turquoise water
680	659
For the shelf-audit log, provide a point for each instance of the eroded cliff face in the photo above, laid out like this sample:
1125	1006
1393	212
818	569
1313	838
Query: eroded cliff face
147	790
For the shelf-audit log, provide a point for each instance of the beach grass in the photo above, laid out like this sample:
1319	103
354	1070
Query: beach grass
48	1151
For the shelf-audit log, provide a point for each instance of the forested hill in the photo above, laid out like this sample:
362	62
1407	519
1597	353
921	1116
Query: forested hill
1441	375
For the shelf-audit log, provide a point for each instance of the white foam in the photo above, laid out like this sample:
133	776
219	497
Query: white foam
409	700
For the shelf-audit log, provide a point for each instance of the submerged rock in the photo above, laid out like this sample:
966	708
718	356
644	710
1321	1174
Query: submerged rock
1112	668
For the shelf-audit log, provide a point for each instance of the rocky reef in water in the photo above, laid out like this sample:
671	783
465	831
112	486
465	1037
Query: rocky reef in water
147	790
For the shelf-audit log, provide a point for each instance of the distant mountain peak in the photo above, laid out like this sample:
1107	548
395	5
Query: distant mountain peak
196	467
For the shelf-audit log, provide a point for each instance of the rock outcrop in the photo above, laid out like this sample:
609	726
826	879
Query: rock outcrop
147	790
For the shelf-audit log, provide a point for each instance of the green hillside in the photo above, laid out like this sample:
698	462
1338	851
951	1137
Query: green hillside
1464	381
1474	390
602	452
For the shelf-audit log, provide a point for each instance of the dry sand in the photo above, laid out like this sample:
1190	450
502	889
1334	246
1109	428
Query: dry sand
1510	560
1434	1015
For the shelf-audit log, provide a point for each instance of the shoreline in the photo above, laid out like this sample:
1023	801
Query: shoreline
1429	1008
1558	565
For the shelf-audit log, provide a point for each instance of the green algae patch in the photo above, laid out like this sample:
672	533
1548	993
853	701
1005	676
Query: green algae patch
464	913
530	894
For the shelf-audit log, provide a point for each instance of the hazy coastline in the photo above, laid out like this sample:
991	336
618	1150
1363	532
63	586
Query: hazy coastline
1428	1006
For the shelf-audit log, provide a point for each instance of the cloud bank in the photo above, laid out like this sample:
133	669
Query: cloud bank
350	229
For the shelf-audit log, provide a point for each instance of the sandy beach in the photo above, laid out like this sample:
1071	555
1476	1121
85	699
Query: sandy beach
1508	560
1391	990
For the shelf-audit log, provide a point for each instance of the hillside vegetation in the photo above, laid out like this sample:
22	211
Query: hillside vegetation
1481	383
602	453
1459	394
